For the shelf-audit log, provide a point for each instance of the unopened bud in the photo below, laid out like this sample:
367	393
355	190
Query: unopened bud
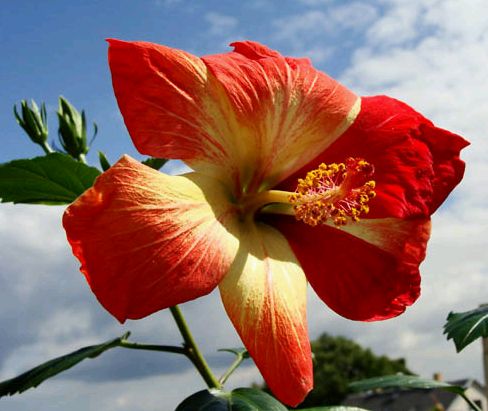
72	130
33	121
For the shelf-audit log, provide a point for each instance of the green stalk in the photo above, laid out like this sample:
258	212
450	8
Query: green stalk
82	158
46	147
193	352
232	368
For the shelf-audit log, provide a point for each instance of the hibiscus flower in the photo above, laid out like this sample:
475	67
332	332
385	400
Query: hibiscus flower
295	180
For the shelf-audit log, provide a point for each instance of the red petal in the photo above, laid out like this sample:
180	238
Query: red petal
416	164
288	110
367	271
264	294
160	94
147	241
250	118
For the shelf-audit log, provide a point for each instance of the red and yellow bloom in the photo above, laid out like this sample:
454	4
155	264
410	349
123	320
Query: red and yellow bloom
251	123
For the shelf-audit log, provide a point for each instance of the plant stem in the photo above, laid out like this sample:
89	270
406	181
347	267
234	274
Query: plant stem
152	347
47	148
82	158
192	349
232	368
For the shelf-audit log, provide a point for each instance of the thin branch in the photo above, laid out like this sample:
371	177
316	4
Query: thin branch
239	358
46	147
194	354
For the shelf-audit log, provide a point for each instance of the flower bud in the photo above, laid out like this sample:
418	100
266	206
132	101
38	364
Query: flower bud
72	130
33	121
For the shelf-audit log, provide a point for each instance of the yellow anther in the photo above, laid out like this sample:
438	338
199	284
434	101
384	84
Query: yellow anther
338	192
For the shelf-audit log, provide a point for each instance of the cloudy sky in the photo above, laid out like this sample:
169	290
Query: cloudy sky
430	53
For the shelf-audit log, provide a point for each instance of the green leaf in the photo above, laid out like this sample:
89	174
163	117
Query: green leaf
240	399
154	162
37	375
52	179
466	327
332	408
403	381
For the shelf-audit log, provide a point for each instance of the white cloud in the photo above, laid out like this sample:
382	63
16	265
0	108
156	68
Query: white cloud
320	31
141	395
353	16
327	20
291	27
399	25
318	54
149	394
462	23
25	224
220	24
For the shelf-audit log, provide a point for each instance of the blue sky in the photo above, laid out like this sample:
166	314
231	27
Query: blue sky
429	53
58	48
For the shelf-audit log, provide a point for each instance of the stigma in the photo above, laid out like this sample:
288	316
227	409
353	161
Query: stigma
337	192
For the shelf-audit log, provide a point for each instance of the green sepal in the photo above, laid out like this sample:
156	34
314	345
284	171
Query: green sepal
240	399
53	179
466	327
104	163
37	375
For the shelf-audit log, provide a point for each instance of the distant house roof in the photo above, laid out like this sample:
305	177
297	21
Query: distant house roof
408	399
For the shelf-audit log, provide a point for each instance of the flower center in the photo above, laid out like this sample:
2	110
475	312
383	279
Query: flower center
338	192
